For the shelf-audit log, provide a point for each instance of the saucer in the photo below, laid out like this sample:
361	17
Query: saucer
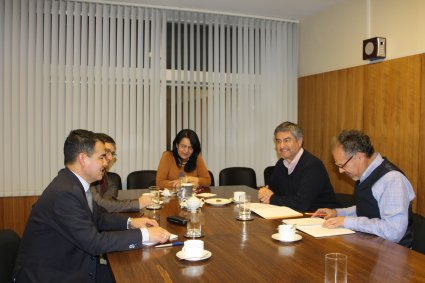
234	201
244	219
218	201
207	254
206	195
155	206
298	237
193	237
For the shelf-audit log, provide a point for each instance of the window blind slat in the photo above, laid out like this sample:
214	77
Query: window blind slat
104	67
23	95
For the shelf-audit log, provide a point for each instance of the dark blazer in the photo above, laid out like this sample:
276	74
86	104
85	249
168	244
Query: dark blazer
63	238
108	199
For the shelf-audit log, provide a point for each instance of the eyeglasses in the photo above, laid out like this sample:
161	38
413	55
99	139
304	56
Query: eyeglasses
343	165
113	154
185	147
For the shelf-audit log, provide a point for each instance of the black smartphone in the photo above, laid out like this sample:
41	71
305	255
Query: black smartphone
177	220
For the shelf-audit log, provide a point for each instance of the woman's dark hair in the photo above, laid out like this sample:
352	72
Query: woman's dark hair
196	145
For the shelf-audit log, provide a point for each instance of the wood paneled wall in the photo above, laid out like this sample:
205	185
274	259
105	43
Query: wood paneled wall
384	99
328	103
14	212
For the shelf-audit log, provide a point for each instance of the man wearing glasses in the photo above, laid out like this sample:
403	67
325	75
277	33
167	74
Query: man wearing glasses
105	191
383	194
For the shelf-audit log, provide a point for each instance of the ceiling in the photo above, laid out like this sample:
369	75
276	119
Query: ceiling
283	9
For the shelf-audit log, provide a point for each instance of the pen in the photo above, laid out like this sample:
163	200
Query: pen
318	215
170	245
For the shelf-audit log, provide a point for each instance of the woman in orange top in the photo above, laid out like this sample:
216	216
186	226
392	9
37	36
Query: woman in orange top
184	160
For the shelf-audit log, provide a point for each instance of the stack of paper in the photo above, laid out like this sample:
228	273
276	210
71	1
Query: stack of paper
313	227
172	238
269	211
206	195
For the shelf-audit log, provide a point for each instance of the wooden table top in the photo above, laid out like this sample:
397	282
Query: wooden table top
245	252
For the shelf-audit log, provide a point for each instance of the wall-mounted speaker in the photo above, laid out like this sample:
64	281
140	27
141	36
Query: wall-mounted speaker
374	48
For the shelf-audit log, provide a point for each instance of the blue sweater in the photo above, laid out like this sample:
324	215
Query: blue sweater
307	188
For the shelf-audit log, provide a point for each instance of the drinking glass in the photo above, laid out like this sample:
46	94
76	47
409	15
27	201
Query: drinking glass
245	207
194	227
335	268
154	214
155	198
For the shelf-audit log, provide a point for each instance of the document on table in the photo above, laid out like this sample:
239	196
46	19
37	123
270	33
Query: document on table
269	211
172	238
313	227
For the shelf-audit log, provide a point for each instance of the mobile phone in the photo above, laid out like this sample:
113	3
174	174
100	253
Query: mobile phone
177	220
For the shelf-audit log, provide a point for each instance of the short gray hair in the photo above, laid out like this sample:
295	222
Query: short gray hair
290	127
353	141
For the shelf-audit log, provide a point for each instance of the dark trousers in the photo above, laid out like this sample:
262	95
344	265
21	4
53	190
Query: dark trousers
104	274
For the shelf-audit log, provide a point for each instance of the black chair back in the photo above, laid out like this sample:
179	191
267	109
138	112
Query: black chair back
9	246
268	171
233	176
212	178
345	200
115	179
418	243
141	179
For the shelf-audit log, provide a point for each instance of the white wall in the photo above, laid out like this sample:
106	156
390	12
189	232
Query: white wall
333	39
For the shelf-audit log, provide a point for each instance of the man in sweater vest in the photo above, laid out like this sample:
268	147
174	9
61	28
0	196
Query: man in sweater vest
299	180
383	193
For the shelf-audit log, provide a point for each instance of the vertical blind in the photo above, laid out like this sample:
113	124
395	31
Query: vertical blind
139	75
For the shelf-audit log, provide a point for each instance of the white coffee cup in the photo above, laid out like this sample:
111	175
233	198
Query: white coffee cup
237	196
193	248
166	192
286	232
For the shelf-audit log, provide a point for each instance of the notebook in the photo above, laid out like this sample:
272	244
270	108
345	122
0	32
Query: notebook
269	211
313	227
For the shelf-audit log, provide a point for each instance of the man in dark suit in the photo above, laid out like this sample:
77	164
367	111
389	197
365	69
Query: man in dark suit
66	231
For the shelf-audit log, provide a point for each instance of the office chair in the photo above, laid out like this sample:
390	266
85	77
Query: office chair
268	171
238	176
141	179
418	243
212	178
9	246
346	200
115	179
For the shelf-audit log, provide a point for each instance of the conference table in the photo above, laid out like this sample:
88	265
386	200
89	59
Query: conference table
244	251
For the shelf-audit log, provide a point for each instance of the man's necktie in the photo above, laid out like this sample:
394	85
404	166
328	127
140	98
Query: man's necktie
103	186
89	199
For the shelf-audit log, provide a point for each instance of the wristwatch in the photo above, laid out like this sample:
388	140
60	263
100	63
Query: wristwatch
129	226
